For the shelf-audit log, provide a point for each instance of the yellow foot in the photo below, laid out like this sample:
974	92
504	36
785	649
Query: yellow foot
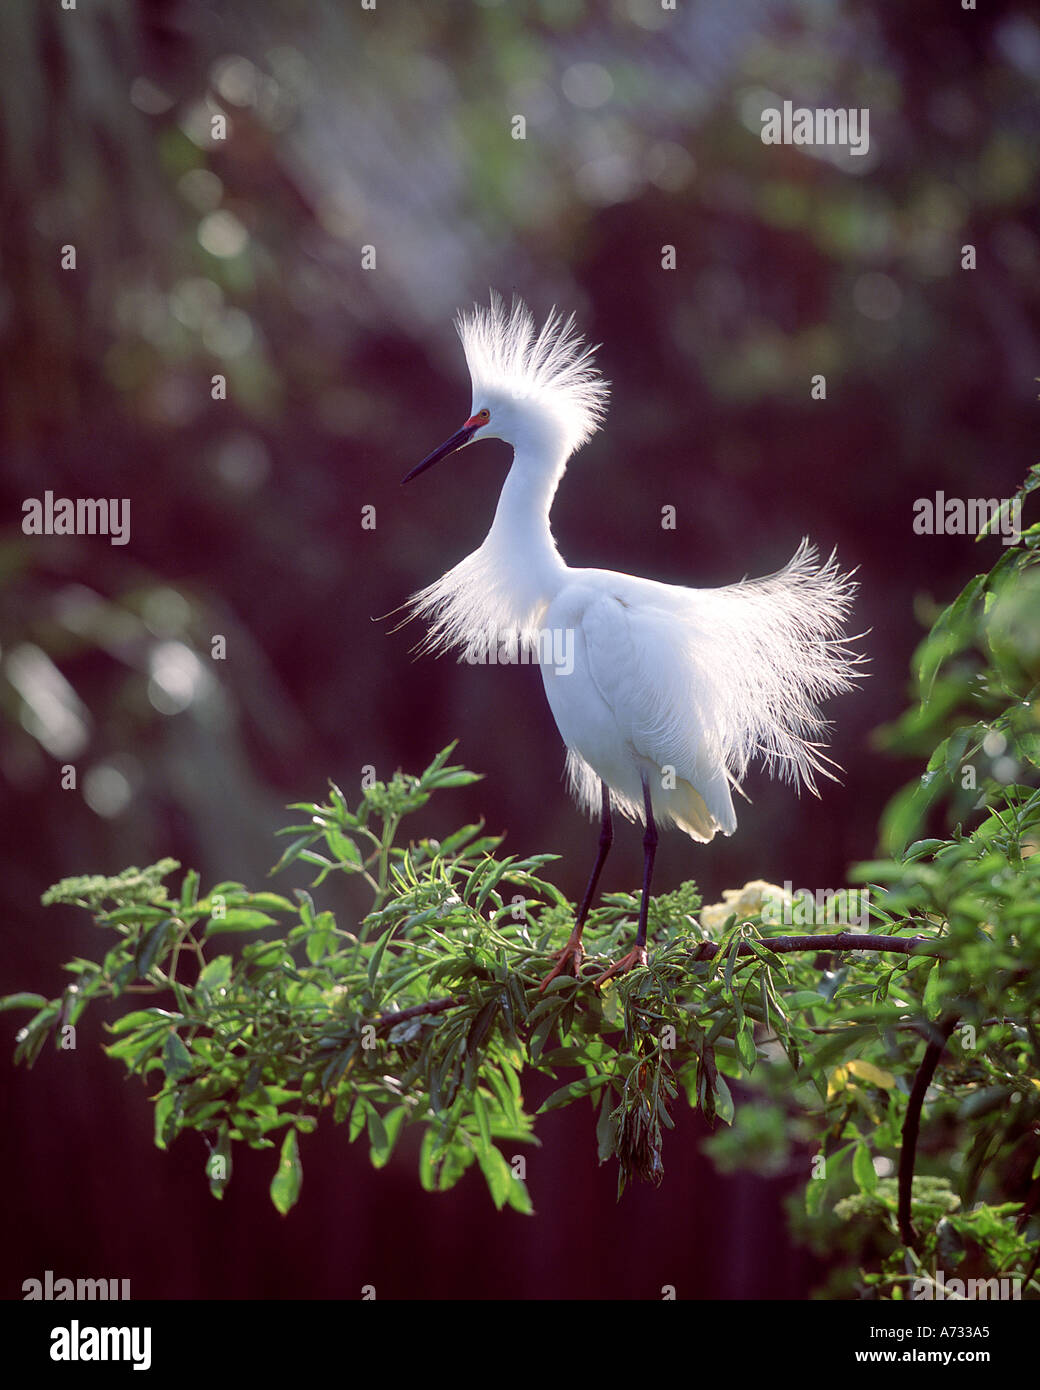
637	956
568	961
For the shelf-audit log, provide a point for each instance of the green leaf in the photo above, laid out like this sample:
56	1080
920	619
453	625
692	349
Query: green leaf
176	1058
32	1037
518	1196
439	761
215	976
164	1109
136	1047
503	1093
239	919
376	958
452	843
22	1001
377	1135
453	778
321	938
427	1168
140	1018
933	992
152	943
497	1174
190	890
746	1044
342	846
229	889
483	1123
906	812
294	851
285	1185
574	1091
481	1024
804	999
815	1190
863	1169
488	884
391	1123
134	916
873	1075
946	636
358	1116
724	1107
270	902
606	1128
920	848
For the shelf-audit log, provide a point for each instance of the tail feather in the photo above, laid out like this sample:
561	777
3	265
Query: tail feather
770	650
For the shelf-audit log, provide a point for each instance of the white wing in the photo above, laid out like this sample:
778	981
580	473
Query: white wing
697	682
628	709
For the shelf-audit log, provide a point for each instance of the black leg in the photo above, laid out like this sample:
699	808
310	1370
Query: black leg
571	955
606	839
649	850
637	955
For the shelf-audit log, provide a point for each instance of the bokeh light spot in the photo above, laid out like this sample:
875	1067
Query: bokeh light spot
222	234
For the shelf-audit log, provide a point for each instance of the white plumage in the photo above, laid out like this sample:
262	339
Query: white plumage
667	693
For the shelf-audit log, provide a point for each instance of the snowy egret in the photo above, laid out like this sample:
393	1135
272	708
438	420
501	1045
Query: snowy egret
662	694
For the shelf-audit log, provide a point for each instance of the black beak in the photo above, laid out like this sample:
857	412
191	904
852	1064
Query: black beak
458	440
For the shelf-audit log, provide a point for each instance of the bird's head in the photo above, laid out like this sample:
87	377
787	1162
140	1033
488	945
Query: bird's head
537	390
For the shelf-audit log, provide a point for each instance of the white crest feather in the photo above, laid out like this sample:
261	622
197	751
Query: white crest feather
507	353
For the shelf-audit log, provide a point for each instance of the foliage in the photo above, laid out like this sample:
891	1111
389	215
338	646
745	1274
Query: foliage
977	713
976	676
428	1010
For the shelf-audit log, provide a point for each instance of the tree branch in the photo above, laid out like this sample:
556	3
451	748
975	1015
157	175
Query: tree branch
435	1006
782	945
831	941
912	1123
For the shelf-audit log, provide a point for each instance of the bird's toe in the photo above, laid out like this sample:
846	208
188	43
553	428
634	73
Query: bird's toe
637	956
568	961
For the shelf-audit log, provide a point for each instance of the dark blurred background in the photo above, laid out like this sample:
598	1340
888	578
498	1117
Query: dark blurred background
242	257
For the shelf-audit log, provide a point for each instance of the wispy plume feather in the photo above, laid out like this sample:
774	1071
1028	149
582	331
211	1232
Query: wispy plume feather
507	352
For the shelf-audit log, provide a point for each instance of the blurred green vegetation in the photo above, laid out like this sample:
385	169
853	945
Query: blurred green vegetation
240	257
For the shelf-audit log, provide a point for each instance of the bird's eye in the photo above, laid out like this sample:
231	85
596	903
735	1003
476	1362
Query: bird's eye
484	415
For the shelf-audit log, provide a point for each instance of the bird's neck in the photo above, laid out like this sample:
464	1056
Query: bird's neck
497	596
520	536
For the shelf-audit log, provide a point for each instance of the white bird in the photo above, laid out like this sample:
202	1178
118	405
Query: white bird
662	694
